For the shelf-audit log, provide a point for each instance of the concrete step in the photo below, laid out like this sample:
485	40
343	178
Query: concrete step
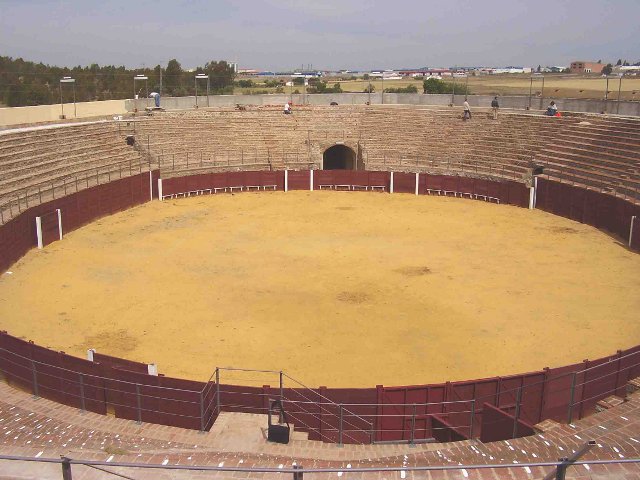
249	428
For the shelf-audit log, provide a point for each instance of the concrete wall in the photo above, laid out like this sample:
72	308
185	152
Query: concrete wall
509	102
49	113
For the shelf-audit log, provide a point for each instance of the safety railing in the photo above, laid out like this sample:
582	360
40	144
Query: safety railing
307	407
27	197
231	159
145	398
553	469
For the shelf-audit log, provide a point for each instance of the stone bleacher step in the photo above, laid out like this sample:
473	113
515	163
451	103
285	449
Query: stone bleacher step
249	428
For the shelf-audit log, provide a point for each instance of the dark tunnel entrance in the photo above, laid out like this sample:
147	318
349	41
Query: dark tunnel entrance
339	157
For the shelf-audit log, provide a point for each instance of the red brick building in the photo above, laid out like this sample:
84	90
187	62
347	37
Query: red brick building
587	67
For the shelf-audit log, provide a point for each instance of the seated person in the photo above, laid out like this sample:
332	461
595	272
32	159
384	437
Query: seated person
552	109
287	108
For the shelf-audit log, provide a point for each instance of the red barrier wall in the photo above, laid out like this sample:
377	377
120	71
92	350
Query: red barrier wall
443	431
49	225
597	209
171	186
350	177
449	407
499	425
507	191
120	363
299	180
19	234
404	182
635	238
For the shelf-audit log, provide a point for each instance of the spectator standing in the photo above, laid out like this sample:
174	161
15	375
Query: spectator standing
495	106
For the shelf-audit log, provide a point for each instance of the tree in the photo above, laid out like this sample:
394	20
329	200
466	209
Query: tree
407	89
221	76
369	89
433	85
607	69
619	62
173	77
365	76
539	69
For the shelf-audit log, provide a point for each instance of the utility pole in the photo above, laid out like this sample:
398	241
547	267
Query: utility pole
160	80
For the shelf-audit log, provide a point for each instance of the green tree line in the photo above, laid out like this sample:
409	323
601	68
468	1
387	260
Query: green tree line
24	83
434	85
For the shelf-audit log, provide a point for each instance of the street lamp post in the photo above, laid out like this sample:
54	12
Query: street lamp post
619	89
73	82
304	87
530	91
453	93
542	94
202	76
382	88
466	86
140	77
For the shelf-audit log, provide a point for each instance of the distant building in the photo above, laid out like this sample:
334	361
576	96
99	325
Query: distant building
423	72
313	74
587	67
627	69
498	71
386	75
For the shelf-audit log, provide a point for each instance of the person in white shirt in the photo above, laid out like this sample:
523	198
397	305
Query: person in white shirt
467	111
287	108
156	98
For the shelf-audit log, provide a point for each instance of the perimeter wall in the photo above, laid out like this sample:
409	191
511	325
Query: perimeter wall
489	409
50	113
516	102
18	235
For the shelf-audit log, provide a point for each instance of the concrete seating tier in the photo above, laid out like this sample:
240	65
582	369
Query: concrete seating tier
589	150
34	161
41	428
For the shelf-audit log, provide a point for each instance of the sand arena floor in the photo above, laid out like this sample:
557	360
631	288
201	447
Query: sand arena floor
337	289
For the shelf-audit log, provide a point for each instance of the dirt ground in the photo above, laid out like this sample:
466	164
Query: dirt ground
555	86
338	289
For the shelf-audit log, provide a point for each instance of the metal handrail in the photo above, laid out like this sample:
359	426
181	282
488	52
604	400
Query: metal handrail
300	469
36	190
347	415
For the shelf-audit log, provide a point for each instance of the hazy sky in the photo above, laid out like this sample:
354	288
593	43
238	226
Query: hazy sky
330	34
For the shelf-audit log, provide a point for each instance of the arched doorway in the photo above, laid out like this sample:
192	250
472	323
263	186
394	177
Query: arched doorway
339	157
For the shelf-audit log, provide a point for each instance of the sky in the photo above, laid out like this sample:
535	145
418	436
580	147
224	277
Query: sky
330	35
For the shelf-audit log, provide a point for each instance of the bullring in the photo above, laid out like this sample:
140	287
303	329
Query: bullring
590	169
